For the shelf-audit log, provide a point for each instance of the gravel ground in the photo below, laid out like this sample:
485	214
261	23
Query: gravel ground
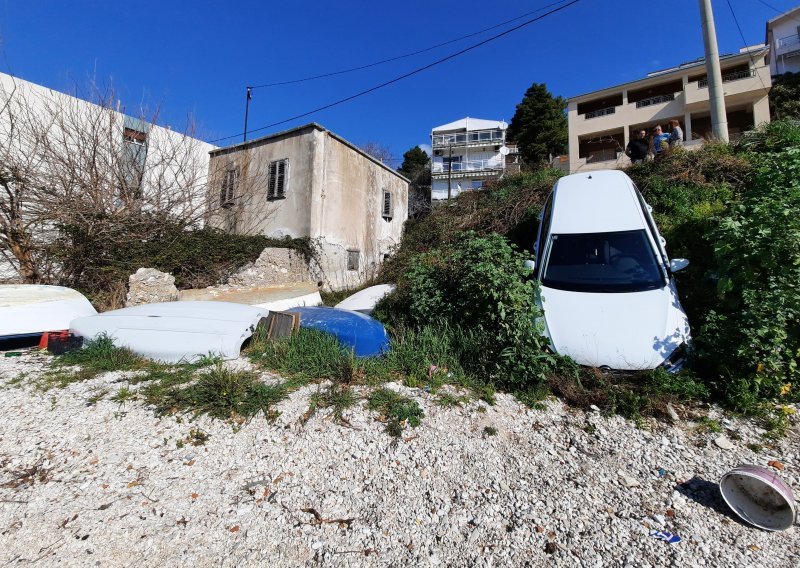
109	485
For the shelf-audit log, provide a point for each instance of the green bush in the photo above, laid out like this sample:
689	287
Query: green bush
478	284
750	340
97	257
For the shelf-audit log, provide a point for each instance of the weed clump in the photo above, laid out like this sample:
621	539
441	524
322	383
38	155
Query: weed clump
398	410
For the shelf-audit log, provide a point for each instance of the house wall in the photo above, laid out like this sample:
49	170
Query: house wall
348	213
253	213
784	42
334	196
87	149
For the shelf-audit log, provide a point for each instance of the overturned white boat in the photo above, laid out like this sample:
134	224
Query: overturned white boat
32	309
365	300
174	332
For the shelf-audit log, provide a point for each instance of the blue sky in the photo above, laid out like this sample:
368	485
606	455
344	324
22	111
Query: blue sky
196	57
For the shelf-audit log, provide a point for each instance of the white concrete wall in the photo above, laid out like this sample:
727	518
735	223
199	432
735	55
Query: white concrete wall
70	144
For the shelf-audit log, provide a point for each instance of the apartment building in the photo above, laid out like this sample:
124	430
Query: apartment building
783	40
310	182
467	153
601	122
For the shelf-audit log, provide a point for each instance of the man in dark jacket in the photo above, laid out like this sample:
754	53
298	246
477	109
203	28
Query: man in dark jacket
638	147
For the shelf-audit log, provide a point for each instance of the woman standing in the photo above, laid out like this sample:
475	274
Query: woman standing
675	134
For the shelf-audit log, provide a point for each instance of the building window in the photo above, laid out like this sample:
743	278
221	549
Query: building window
353	257
227	193
134	156
278	177
386	206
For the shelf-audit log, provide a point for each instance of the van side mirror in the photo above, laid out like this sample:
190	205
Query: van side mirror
677	264
530	265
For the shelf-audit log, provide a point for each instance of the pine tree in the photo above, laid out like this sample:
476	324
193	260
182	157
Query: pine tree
539	126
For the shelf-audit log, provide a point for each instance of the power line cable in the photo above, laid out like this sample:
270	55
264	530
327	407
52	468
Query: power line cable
404	56
781	12
405	75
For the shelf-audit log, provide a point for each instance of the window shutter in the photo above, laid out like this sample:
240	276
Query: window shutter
271	188
387	204
281	182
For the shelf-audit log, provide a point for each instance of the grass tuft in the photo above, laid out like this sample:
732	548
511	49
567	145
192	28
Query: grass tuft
398	410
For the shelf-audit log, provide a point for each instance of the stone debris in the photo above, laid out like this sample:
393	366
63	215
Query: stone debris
273	266
724	443
150	286
114	484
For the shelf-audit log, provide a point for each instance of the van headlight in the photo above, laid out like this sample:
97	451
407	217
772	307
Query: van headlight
676	359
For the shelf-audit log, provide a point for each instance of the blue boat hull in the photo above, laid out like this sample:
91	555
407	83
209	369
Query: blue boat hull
364	335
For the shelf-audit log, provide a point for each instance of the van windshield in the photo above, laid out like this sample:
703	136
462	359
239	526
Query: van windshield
621	261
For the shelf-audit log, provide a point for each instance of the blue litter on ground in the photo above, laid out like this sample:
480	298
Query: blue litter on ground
364	335
666	536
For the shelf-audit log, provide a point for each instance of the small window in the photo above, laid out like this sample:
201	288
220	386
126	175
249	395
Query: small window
278	174
227	193
134	136
353	257
386	206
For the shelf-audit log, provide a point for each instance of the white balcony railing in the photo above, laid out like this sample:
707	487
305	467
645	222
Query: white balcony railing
476	137
789	41
655	100
467	166
726	78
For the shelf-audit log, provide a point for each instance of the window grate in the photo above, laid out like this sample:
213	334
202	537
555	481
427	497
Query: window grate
386	210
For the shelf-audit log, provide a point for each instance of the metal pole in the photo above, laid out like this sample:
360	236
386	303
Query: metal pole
247	110
449	172
716	96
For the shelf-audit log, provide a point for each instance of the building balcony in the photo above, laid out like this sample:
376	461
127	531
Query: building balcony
740	85
468	139
787	44
467	168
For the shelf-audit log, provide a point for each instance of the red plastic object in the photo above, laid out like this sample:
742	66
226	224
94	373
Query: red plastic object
56	342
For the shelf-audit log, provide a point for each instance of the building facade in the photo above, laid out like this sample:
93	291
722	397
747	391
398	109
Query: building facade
783	40
601	123
467	153
309	182
68	148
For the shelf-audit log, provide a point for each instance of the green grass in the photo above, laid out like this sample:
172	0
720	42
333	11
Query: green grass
224	394
398	410
489	431
447	400
123	395
336	397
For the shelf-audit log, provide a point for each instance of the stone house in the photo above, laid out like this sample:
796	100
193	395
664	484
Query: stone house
309	182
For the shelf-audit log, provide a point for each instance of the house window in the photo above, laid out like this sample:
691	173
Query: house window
133	158
353	257
278	174
134	136
386	206
227	193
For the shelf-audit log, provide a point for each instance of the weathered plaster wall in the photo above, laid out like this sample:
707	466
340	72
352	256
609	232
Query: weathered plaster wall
348	207
253	213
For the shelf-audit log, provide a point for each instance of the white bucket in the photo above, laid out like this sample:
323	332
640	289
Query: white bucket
759	496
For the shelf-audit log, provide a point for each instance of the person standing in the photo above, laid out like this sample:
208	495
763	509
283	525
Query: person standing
638	147
675	134
660	141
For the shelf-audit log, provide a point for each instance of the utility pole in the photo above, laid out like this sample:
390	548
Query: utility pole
247	110
716	96
449	172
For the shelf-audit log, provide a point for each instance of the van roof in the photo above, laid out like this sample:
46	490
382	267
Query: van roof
599	201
